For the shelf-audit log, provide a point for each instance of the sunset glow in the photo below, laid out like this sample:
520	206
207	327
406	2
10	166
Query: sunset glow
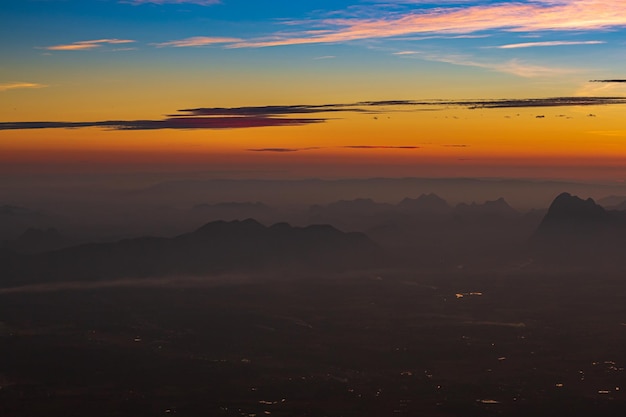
335	89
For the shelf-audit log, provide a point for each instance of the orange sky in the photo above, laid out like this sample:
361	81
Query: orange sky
449	142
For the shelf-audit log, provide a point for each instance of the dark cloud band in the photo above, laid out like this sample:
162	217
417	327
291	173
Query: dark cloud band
267	116
170	123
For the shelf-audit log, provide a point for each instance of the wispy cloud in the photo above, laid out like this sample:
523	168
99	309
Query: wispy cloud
197	41
87	45
547	43
18	85
198	2
513	66
406	53
604	87
520	16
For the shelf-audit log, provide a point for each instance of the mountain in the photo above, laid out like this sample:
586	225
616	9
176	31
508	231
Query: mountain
578	231
358	206
215	247
497	208
14	220
234	210
425	203
39	240
570	214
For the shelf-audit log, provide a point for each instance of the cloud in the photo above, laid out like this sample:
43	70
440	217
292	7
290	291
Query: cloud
18	85
266	116
406	53
170	123
514	66
378	147
525	69
198	2
86	45
288	150
547	43
197	41
608	81
519	16
269	110
284	150
543	102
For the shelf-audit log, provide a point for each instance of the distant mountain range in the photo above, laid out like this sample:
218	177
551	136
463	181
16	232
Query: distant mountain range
215	247
421	231
425	204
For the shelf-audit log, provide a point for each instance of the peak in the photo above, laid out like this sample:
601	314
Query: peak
281	226
500	202
567	203
429	196
571	213
358	202
425	202
220	226
321	228
497	207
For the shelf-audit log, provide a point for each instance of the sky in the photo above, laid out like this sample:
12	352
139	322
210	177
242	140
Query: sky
326	89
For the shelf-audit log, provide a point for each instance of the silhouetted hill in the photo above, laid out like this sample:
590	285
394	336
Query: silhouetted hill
572	215
578	231
425	203
39	240
358	206
498	208
14	220
215	247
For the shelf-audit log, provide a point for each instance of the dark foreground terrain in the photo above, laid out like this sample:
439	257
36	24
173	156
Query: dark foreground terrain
460	342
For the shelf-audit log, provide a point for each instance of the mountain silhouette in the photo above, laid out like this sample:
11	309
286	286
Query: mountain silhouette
499	208
578	231
425	203
570	214
39	240
215	247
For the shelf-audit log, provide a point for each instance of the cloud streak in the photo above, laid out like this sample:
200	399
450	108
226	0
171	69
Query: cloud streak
547	43
379	147
269	110
284	150
273	116
197	41
19	85
528	16
185	123
608	81
311	148
87	45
